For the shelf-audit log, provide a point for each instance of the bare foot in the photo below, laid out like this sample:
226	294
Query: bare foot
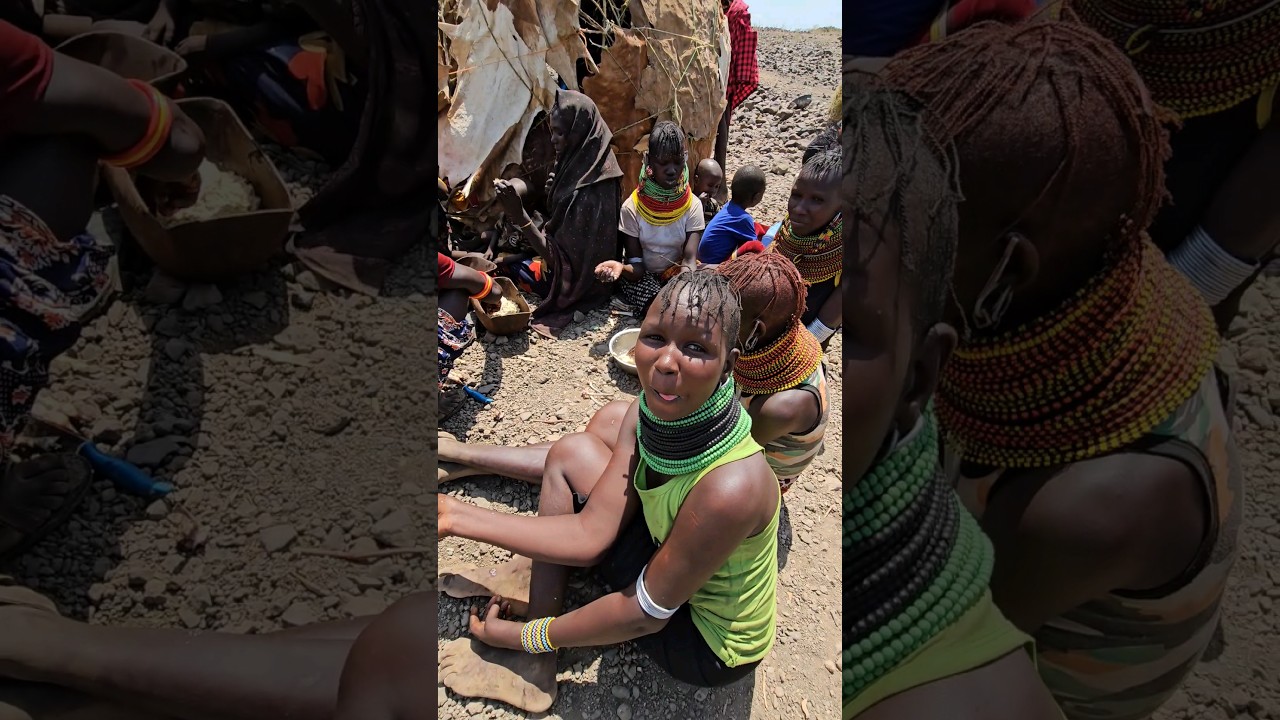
472	669
447	467
510	580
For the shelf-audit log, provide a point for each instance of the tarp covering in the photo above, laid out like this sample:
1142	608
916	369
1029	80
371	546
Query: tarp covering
499	60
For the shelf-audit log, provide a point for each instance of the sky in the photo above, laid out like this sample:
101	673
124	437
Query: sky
795	14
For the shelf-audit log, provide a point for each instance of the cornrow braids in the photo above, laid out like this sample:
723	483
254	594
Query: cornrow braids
902	182
704	291
996	79
827	139
769	287
666	140
825	166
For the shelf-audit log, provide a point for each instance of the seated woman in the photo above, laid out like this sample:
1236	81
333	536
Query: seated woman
583	198
810	236
921	637
698	596
660	224
1083	396
58	118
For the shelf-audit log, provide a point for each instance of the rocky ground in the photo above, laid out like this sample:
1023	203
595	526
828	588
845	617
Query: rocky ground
544	389
1241	676
294	420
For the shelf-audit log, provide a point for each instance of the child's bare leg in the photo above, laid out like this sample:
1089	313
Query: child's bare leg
527	462
176	674
472	669
392	666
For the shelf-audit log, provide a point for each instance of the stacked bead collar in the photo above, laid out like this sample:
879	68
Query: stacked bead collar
782	365
695	442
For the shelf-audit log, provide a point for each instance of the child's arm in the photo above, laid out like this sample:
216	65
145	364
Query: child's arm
690	259
831	316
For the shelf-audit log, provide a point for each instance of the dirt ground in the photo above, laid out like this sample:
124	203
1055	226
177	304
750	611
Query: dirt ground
544	389
291	416
1241	676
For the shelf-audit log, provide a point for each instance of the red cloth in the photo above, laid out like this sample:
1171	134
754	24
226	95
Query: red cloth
964	13
744	74
444	267
26	64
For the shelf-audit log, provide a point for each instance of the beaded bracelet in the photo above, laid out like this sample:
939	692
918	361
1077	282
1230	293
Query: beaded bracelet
535	636
159	125
488	287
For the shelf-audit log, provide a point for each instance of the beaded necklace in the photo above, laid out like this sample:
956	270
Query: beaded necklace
696	441
914	561
1090	378
1198	57
660	206
782	365
818	257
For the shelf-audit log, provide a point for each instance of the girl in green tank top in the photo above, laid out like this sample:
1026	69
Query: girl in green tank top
681	520
921	637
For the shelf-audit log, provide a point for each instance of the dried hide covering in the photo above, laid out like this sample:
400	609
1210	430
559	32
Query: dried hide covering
499	61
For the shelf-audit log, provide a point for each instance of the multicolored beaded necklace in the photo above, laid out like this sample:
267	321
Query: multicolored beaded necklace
782	365
818	257
660	206
914	561
1090	378
694	442
1198	57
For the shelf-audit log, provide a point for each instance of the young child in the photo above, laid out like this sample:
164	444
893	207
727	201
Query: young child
660	223
708	179
733	227
810	236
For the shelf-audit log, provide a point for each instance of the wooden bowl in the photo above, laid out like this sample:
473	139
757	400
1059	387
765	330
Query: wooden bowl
128	56
506	324
218	248
620	345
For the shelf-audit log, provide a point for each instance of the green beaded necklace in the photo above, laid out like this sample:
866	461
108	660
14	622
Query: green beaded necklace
915	560
694	442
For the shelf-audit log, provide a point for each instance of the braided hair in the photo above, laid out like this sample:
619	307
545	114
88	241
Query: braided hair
704	291
666	140
1061	99
770	288
827	139
824	167
901	182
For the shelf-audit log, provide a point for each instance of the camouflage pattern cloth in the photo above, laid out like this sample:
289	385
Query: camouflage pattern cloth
1122	656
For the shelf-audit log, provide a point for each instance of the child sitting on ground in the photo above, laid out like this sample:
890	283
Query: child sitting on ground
660	223
733	226
708	177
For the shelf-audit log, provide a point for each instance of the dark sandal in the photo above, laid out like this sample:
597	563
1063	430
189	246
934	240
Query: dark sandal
81	480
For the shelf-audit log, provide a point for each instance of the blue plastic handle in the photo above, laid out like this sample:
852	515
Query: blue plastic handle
125	475
477	395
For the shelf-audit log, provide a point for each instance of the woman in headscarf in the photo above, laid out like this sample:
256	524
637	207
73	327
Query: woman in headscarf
583	198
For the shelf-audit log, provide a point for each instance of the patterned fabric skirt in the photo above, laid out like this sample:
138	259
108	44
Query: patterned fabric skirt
454	336
640	294
47	288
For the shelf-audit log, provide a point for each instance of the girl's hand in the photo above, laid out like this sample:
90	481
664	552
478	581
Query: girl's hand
510	202
181	154
494	298
551	180
609	271
160	29
169	197
489	627
192	46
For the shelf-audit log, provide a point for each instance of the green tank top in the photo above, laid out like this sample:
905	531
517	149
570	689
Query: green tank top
736	611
